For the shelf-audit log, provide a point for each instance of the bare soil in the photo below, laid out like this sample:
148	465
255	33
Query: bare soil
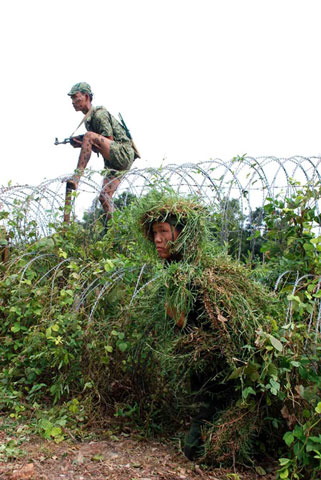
118	458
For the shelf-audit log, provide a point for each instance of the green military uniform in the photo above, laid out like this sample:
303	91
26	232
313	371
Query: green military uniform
121	151
102	122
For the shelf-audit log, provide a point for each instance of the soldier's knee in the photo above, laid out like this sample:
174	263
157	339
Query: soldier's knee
89	136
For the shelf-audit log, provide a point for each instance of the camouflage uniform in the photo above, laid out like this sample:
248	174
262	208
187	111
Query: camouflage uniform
118	152
121	151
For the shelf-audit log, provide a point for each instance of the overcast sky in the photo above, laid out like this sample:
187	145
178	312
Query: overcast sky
193	80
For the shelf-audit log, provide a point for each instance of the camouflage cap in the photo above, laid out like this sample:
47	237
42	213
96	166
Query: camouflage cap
82	87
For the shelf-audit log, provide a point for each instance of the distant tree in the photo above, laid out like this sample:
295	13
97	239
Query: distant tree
124	200
253	235
240	233
95	212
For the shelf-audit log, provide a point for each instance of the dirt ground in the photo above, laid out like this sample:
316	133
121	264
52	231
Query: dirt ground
120	458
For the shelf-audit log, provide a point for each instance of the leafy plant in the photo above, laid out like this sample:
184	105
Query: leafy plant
84	329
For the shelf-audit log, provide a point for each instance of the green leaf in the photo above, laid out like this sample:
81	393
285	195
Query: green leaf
272	370
312	446
318	408
55	432
45	424
306	413
97	458
122	346
295	364
294	298
288	437
108	265
236	373
284	474
16	328
62	253
248	391
315	240
298	432
276	343
260	471
48	332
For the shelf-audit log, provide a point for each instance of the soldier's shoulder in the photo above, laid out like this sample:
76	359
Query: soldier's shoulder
99	113
100	110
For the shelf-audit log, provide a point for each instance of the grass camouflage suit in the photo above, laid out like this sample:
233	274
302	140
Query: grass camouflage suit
217	311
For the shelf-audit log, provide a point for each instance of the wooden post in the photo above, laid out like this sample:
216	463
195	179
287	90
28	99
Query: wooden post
4	250
68	201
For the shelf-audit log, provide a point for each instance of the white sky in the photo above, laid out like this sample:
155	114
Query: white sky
193	80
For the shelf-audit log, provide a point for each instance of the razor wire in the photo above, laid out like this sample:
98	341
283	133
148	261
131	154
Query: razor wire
248	180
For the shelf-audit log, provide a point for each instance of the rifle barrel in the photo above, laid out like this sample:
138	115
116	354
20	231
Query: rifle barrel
66	140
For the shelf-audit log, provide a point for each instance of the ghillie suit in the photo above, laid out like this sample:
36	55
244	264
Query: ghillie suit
217	314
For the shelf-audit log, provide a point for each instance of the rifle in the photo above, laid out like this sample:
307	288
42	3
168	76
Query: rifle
68	140
80	137
123	124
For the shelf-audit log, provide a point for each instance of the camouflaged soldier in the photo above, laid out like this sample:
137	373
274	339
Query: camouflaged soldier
104	135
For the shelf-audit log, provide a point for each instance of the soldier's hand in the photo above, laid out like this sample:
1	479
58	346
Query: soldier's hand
76	142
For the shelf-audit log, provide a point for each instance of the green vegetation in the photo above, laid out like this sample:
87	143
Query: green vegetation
84	331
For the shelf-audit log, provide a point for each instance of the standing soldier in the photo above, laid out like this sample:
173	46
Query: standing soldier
105	135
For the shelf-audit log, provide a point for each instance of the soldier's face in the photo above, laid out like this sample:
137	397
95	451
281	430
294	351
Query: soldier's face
163	234
79	101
